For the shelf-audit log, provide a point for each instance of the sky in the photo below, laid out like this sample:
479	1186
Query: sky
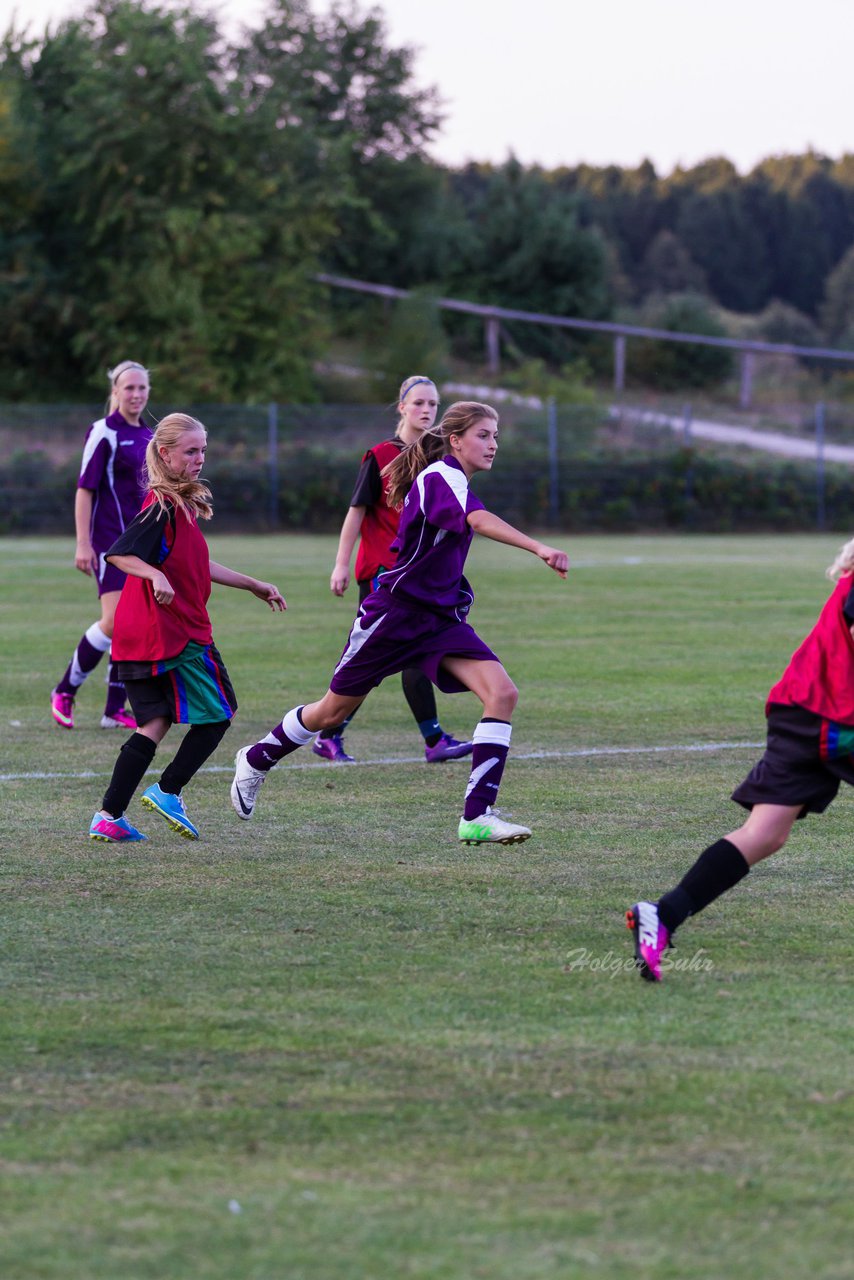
564	82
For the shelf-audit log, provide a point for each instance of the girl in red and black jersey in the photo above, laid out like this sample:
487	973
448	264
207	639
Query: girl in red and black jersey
372	523
162	641
808	752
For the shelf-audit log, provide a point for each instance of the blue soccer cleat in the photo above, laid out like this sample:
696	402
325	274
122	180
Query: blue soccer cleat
171	808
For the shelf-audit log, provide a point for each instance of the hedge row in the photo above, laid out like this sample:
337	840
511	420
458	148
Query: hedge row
601	491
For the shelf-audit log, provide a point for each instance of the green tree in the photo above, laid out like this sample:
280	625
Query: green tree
337	77
183	193
528	250
837	310
671	366
667	267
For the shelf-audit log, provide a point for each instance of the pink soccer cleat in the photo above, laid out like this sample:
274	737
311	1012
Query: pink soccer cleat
113	830
118	720
62	709
651	939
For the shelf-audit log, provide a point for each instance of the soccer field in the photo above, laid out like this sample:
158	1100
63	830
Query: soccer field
331	1044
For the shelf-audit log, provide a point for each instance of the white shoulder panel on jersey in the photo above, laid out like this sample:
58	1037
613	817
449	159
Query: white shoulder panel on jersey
455	480
99	431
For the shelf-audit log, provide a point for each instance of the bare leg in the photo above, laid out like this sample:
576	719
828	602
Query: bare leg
766	830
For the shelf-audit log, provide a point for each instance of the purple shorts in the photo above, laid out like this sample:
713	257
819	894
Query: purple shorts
109	578
387	638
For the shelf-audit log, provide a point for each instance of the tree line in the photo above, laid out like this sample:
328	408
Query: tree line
170	193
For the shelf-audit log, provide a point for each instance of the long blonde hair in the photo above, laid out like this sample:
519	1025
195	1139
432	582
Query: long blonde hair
115	374
430	446
190	496
844	562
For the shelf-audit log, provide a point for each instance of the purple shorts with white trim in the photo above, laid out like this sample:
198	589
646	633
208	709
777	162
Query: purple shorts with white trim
108	577
387	637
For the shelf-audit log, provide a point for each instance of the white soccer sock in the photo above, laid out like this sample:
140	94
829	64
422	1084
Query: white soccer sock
495	732
77	673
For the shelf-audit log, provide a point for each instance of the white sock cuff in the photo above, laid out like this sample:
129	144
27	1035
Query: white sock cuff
295	729
494	732
97	639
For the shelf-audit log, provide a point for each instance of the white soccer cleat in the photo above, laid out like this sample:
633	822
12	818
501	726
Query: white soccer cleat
246	785
490	828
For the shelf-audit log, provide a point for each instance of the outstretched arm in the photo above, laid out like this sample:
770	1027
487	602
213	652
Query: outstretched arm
350	531
243	582
490	526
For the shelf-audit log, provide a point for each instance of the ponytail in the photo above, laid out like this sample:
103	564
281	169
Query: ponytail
431	445
402	471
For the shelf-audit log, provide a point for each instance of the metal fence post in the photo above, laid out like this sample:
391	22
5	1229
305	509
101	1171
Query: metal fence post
746	392
273	464
554	487
689	469
820	509
492	336
620	362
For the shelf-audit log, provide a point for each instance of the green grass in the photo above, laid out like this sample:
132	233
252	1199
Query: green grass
330	1044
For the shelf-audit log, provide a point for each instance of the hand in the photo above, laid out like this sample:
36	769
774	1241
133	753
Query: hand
557	560
272	595
85	559
162	588
340	579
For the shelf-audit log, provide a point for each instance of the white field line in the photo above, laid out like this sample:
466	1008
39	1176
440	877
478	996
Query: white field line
386	761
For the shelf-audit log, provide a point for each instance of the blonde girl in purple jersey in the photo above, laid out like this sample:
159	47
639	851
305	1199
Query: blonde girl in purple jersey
417	617
109	494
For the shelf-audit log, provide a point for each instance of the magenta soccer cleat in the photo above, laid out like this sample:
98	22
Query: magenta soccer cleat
62	709
650	937
118	720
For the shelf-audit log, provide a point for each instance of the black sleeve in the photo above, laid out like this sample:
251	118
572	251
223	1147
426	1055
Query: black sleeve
148	536
369	485
848	607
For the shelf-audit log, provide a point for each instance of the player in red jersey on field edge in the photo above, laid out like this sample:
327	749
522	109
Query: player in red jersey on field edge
808	752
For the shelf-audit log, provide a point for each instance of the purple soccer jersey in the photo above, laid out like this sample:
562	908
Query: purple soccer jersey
416	616
432	542
112	467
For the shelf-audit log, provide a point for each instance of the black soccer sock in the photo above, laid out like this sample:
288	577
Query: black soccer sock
200	741
419	693
128	771
717	869
338	728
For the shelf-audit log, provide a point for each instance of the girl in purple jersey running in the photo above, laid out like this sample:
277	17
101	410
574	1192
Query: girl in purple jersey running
417	617
109	495
372	523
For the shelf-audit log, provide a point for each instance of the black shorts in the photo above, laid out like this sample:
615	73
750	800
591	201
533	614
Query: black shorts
195	691
806	757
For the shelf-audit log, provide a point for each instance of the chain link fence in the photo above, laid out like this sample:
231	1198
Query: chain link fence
580	468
